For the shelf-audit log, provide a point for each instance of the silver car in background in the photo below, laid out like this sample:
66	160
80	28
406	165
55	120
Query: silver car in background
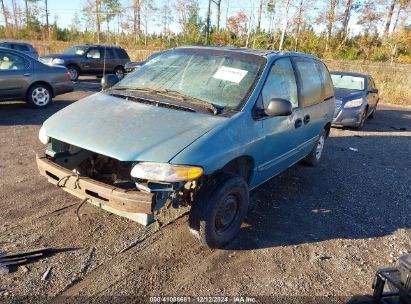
24	78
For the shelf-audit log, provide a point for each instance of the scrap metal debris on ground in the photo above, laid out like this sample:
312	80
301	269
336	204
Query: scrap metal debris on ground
8	261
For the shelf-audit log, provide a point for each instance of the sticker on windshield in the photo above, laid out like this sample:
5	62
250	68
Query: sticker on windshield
358	79
230	74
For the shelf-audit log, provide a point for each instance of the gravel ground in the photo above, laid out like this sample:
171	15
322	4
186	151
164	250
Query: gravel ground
315	232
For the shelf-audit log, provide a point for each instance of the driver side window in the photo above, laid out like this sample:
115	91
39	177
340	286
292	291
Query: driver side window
280	83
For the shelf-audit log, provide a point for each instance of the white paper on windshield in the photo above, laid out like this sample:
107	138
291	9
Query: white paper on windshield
359	79
230	74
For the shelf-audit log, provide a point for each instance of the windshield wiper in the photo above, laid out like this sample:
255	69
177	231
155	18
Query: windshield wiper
192	100
136	89
195	101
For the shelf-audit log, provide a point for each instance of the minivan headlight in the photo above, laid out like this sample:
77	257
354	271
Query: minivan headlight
57	61
165	172
43	136
353	103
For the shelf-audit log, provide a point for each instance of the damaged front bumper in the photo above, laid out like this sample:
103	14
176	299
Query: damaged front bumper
132	204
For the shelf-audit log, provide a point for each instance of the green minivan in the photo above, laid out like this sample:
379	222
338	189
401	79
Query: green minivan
198	126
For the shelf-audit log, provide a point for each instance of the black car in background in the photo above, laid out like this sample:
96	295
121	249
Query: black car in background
90	60
24	47
356	98
132	66
24	78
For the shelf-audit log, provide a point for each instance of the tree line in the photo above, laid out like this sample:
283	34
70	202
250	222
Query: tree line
377	30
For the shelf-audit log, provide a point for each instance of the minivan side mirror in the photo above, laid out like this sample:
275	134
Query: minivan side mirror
108	81
373	91
279	107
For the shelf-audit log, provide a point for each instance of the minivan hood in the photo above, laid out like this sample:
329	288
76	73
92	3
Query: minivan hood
344	94
127	130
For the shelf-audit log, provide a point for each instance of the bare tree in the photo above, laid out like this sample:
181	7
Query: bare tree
5	14
298	24
260	11
285	22
148	11
346	19
27	12
47	19
207	29
405	5
98	22
331	5
389	17
16	13
137	20
218	3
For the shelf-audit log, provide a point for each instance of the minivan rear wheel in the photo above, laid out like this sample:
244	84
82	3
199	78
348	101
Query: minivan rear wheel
314	157
220	207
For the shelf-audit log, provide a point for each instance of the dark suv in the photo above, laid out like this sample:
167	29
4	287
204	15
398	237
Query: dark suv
90	60
26	48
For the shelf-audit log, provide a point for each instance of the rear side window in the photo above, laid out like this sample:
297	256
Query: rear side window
328	89
12	62
311	84
20	47
107	53
122	54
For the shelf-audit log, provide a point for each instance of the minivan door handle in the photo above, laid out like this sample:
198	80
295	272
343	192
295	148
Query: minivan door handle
298	123
306	119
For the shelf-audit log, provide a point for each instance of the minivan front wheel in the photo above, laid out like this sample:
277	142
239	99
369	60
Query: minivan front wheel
314	157
219	209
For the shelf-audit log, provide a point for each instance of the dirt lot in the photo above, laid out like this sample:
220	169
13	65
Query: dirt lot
310	232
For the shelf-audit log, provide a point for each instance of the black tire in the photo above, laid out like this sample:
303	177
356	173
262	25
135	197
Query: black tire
314	157
361	300
222	192
74	72
362	120
372	115
119	72
39	95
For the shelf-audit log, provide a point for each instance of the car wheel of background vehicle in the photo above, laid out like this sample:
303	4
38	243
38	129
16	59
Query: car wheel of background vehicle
219	209
362	120
74	72
313	159
119	72
39	96
372	115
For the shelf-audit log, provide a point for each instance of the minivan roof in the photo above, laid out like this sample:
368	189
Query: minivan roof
258	52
